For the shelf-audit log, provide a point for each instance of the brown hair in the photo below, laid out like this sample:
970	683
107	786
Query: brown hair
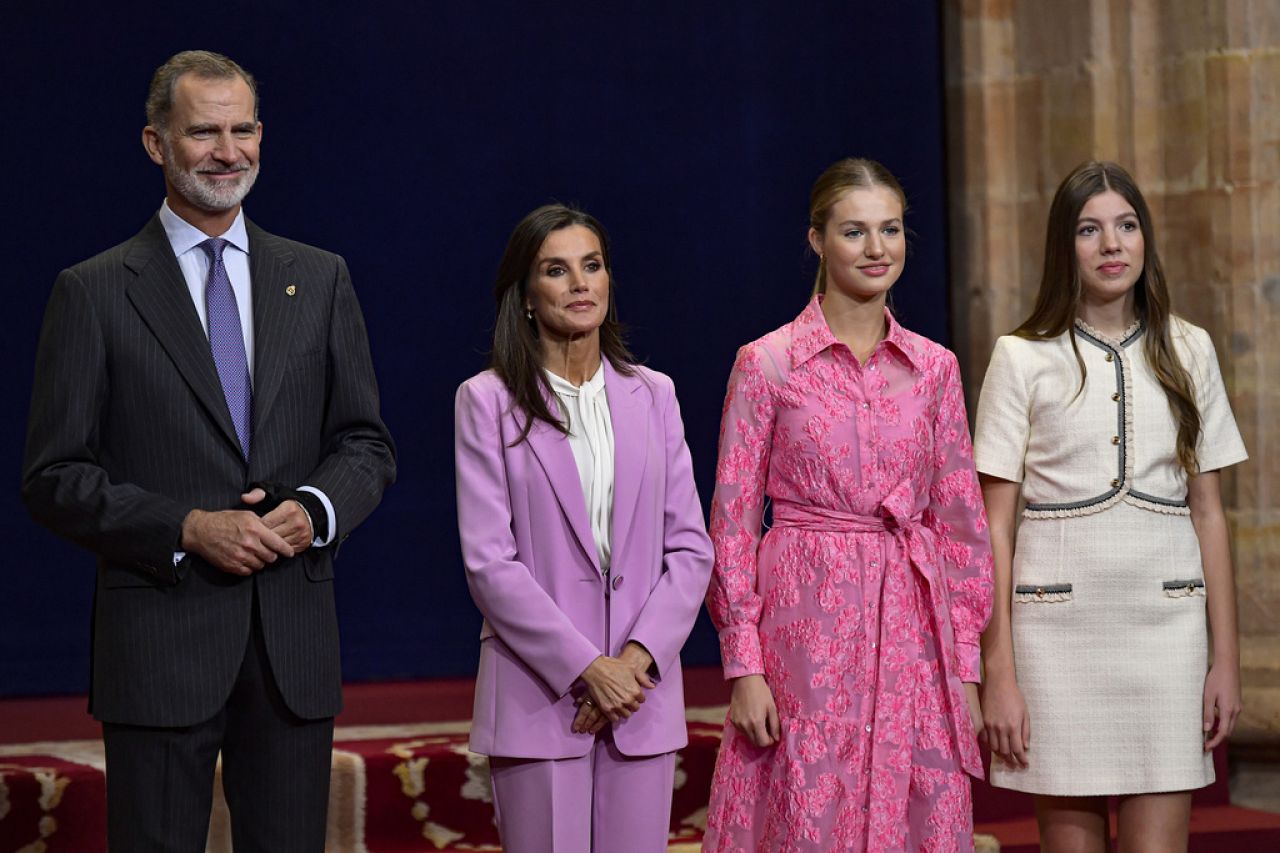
851	173
517	355
1061	290
202	63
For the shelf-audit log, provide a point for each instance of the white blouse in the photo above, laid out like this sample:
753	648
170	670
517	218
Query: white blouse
591	439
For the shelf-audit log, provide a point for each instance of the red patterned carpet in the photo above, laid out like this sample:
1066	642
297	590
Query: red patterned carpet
404	780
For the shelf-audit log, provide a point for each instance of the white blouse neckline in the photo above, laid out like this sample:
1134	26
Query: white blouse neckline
585	411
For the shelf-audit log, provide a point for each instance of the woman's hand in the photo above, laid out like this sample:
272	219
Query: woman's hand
753	712
638	658
589	718
613	687
1221	703
1005	720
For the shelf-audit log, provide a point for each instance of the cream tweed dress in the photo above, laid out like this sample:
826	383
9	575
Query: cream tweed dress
1108	618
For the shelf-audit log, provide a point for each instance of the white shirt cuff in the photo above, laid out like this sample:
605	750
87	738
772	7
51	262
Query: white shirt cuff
329	514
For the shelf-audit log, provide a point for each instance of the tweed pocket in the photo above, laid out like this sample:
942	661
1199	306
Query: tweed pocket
1049	593
1184	588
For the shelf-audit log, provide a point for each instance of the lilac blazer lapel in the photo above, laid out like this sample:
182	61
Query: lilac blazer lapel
551	447
630	422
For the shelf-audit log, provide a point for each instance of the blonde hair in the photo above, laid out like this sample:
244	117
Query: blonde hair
851	173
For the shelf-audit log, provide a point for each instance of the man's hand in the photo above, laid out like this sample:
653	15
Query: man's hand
234	541
289	521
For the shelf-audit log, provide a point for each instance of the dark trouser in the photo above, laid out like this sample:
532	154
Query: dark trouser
275	773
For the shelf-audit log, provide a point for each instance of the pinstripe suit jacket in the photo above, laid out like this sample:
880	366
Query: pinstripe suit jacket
129	431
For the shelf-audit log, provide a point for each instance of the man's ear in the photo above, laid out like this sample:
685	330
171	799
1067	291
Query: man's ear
154	147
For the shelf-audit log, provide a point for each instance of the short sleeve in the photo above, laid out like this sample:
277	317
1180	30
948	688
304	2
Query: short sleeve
1220	443
1004	421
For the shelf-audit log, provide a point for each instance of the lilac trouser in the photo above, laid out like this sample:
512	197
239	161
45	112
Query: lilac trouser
604	802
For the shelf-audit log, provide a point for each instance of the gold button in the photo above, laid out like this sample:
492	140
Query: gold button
1039	592
1115	483
1191	588
1115	398
1115	439
1110	357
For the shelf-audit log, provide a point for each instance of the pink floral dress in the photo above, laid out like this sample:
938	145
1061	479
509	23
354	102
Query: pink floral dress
863	603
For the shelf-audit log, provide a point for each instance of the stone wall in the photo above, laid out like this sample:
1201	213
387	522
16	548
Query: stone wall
1186	95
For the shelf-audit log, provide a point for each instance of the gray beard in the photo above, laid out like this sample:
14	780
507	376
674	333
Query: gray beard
211	199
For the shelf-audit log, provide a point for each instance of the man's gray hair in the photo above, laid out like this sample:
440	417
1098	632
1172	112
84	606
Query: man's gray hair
202	63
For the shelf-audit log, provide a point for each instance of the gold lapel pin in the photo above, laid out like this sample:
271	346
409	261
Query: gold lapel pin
290	290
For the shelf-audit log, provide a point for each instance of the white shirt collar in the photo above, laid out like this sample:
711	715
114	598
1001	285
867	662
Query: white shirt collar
563	386
183	236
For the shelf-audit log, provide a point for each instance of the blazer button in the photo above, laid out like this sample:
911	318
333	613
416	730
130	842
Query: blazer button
1110	357
617	581
1115	484
1115	439
1115	398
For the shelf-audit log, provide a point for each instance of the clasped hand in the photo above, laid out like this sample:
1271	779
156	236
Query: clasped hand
239	542
615	688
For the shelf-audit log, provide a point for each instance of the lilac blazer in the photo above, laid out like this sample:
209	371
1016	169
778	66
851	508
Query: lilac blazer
534	573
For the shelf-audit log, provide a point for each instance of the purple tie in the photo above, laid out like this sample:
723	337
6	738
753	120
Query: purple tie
226	340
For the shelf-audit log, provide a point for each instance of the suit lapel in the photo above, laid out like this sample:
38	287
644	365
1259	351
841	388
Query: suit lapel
270	266
556	457
161	298
630	424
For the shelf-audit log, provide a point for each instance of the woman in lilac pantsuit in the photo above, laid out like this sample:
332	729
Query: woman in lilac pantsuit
585	550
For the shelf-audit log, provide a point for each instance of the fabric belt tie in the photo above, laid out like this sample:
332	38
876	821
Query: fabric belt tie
923	559
823	519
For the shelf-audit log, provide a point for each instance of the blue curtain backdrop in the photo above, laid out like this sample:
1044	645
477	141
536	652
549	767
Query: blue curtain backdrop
410	137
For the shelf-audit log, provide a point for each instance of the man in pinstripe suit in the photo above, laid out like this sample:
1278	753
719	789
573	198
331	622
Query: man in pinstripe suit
214	507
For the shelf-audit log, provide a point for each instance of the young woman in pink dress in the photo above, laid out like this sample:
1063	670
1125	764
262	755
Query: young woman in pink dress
851	628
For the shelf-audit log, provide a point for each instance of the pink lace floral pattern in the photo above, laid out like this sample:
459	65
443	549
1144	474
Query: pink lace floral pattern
862	606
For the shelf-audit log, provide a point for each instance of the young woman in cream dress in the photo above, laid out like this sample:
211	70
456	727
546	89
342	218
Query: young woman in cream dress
1108	417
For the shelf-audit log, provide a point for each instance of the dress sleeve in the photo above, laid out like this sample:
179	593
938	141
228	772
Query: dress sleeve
1004	420
746	431
960	521
1220	443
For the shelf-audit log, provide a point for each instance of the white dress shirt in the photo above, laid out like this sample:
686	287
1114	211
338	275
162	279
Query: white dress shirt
185	239
586	409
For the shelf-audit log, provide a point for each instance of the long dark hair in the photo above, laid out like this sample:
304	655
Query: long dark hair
1061	290
517	354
